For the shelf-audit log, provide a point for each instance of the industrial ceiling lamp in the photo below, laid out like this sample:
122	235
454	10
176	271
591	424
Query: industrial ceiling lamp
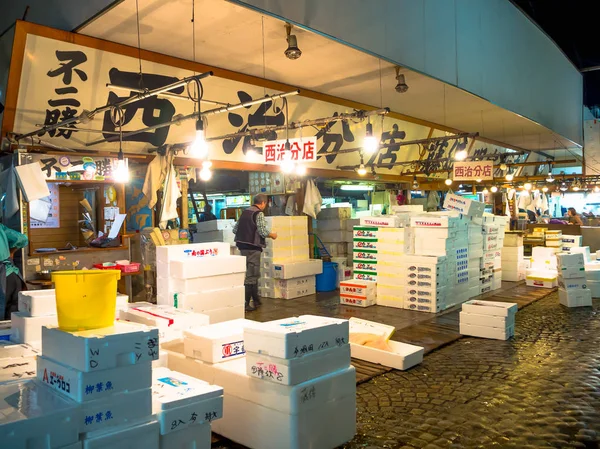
448	182
545	189
361	170
509	176
199	147
550	179
493	189
401	86
121	171
503	167
415	183
292	52
576	187
370	143
563	187
206	173
485	191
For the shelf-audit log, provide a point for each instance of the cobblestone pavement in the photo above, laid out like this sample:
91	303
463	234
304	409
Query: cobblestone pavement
540	389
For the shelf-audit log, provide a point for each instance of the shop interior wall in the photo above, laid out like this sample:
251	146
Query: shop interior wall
6	42
475	45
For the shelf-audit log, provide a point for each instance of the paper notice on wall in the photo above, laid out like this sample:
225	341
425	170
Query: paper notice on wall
116	226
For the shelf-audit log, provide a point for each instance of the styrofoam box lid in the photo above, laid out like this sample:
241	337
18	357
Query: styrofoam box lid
221	330
119	329
489	307
163	316
290	399
294	325
171	389
358	325
25	400
9	350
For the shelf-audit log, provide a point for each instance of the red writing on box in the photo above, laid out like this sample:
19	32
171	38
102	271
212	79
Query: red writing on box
302	150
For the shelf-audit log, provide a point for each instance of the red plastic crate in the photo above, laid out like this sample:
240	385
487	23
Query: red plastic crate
133	267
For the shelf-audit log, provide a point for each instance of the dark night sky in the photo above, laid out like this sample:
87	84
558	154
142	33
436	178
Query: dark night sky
573	25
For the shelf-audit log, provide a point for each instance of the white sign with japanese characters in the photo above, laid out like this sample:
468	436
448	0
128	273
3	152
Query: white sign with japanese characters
473	170
302	150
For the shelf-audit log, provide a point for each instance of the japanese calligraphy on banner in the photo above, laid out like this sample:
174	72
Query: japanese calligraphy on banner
303	150
473	170
64	79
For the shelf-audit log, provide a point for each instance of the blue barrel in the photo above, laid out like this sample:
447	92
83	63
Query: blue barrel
327	281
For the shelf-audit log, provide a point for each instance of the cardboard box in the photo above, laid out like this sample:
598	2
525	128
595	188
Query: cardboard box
35	416
575	298
496	333
293	292
37	302
358	288
28	329
296	336
196	437
287	241
100	349
140	434
391	301
403	356
366	265
423	307
365	276
464	205
90	386
298	269
177	397
349	300
365	232
217	342
298	370
383	221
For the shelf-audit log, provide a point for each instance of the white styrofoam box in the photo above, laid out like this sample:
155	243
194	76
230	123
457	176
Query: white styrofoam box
364	244
28	329
365	265
89	386
11	350
122	303
17	368
296	336
423	307
464	205
225	235
594	286
210	300
496	333
513	275
554	244
335	212
490	228
391	301
289	292
591	275
575	298
513	253
225	314
356	301
358	288
417	260
298	269
475	253
541	280
365	276
334	224
196	285
543	257
193	437
171	322
432	233
100	349
491	242
492	308
77	445
573	272
572	240
360	326
572	283
37	302
407	208
287	241
487	320
331	425
365	233
402	355
364	254
142	434
205	267
305	281
383	221
167	253
215	225
180	401
34	416
571	259
300	369
217	342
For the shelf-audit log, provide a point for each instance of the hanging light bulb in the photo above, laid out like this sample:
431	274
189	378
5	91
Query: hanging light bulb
550	179
527	186
251	155
199	147
448	182
206	173
415	183
563	187
287	163
575	187
461	155
596	189
301	169
485	191
121	171
478	180
544	189
509	176
361	170
370	143
503	167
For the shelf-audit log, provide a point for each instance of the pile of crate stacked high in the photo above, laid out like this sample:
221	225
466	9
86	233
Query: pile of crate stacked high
214	231
286	270
514	266
543	267
203	278
573	288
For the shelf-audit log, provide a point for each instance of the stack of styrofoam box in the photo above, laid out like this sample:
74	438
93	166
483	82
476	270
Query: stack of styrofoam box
37	308
493	240
350	223
332	230
16	361
290	248
185	408
34	416
295	279
297	386
108	372
571	241
425	279
171	322
573	290
391	290
202	278
488	319
358	293
214	231
554	239
513	258
543	272
364	253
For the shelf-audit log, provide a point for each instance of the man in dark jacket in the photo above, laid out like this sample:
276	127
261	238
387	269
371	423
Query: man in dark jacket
251	233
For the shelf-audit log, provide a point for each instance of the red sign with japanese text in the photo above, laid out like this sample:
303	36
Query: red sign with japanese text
302	150
473	170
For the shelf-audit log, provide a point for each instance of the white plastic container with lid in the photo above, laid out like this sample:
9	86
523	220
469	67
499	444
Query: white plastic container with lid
143	434
297	370
99	349
37	302
180	401
32	415
89	386
217	342
296	336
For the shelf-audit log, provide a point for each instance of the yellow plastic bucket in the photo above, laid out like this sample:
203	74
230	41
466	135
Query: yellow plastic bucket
85	299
